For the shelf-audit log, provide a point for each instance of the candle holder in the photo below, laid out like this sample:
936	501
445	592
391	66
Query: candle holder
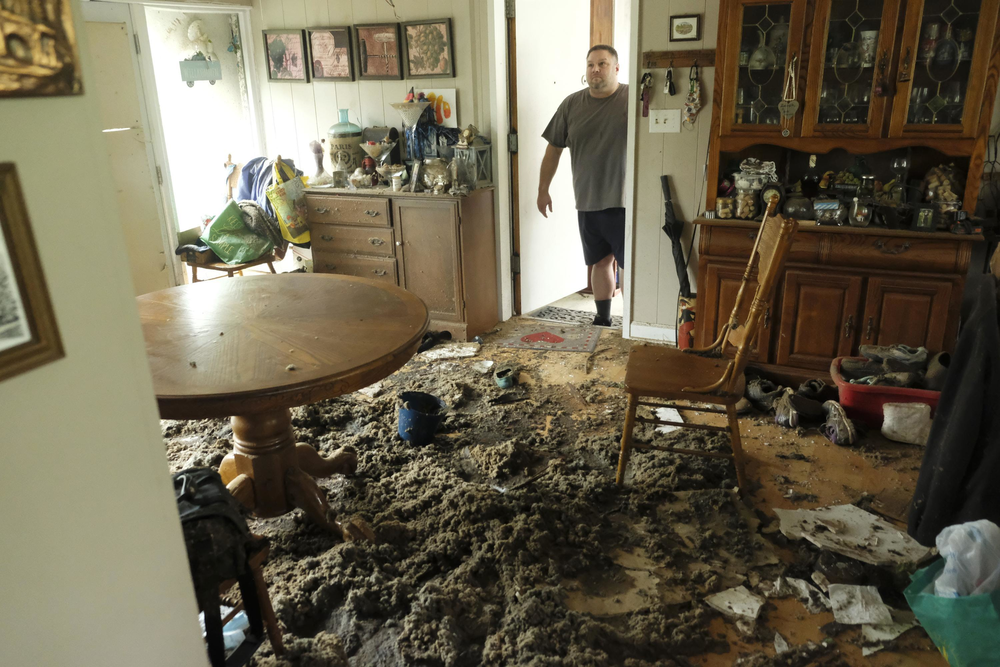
411	112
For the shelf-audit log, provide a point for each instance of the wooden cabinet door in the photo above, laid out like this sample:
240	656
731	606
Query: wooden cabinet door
429	255
944	64
719	294
850	61
763	39
819	315
910	311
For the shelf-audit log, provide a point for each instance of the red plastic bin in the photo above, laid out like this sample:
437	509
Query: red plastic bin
864	403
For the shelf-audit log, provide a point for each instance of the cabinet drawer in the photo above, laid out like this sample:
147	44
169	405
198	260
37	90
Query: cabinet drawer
362	267
348	210
738	243
893	252
353	240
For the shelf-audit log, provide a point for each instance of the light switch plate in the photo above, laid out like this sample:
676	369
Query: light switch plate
664	120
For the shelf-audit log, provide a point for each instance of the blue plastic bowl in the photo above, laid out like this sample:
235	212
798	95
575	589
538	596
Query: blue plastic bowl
419	416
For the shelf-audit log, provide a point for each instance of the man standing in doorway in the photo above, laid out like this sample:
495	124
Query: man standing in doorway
593	124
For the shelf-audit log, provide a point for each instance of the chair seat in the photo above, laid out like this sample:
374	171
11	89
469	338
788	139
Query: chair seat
664	372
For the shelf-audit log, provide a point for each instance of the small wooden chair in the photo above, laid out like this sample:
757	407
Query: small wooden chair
707	375
256	563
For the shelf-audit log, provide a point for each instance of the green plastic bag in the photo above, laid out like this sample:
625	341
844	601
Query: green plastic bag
230	238
965	629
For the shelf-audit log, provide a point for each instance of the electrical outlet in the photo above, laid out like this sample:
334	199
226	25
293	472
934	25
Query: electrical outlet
664	120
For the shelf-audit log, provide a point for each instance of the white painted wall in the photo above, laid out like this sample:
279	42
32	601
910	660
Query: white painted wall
294	113
94	568
201	124
682	156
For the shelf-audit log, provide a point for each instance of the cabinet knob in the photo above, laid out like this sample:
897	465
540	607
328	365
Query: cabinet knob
371	214
376	241
322	210
326	237
886	250
379	272
870	329
848	326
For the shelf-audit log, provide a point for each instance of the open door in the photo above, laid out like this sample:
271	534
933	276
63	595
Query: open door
552	39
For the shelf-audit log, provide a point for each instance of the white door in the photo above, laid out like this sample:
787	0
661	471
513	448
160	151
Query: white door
552	42
116	84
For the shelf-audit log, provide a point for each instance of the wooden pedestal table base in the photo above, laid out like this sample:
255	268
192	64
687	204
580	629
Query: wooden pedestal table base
253	348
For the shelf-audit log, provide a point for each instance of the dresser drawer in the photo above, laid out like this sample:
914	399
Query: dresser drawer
353	240
348	210
362	267
894	253
738	243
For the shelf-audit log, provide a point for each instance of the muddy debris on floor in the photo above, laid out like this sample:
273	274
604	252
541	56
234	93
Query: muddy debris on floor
505	541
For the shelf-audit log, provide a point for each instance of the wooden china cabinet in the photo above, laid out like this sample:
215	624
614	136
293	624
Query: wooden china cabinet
863	78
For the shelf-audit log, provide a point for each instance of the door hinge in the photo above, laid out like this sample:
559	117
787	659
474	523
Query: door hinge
509	9
515	263
159	175
135	38
512	142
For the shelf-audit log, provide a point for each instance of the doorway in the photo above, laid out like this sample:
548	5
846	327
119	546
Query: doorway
545	66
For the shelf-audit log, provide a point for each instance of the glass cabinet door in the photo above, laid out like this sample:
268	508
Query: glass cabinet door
944	57
849	67
759	54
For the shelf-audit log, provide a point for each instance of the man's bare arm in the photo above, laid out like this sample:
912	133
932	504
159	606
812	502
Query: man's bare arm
550	162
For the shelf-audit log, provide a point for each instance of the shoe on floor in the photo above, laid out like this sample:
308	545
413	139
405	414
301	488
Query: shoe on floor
811	389
838	428
602	321
855	369
763	393
791	409
743	406
897	357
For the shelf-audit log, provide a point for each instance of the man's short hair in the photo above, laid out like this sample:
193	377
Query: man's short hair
603	47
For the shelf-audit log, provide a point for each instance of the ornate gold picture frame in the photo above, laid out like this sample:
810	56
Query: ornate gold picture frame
28	333
38	54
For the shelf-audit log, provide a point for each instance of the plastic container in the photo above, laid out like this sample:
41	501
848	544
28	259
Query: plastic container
864	403
419	417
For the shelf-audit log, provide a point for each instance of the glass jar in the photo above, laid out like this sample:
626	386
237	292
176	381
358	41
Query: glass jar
746	203
724	207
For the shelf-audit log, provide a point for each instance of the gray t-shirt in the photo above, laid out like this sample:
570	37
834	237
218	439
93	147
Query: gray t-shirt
596	132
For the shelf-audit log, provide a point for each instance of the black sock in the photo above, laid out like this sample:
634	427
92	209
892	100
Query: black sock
603	308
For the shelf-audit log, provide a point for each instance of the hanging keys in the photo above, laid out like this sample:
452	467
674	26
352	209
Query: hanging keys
645	92
668	82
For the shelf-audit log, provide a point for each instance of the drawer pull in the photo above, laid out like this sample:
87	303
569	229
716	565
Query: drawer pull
886	250
871	327
379	272
848	326
371	214
326	237
322	210
330	267
767	317
376	241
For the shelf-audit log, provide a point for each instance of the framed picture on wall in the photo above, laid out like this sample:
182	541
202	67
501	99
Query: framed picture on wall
38	54
377	48
428	48
686	28
331	53
286	55
28	333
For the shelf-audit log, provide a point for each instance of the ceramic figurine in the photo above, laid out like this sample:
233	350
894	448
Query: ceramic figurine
321	177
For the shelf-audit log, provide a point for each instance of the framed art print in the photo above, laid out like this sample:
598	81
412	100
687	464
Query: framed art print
686	28
377	47
28	334
428	49
38	54
331	53
286	55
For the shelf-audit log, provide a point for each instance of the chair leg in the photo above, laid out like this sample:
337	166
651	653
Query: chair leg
626	439
270	265
267	612
737	445
194	273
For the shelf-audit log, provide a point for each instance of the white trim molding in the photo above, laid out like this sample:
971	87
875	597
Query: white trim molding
653	332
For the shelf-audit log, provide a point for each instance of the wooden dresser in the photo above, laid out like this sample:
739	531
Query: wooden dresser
441	248
842	287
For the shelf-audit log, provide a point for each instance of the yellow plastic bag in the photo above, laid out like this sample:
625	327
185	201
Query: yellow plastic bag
288	197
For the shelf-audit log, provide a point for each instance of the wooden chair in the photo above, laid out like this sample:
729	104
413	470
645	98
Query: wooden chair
708	375
263	600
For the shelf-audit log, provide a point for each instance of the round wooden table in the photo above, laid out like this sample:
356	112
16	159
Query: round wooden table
252	348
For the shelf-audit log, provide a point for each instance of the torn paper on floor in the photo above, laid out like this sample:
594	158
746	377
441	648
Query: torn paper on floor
780	643
858	605
668	415
874	638
852	532
371	391
483	367
451	351
801	590
738	603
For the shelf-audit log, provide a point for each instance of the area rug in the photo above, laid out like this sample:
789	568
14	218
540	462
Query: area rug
567	316
554	338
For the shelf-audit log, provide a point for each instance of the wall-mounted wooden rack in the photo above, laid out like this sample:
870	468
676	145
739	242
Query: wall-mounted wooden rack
663	59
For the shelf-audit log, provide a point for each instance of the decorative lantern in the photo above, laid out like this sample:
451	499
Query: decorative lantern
477	159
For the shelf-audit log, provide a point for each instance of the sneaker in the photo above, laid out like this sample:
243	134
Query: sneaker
602	321
791	409
811	389
838	429
898	380
855	369
763	393
896	357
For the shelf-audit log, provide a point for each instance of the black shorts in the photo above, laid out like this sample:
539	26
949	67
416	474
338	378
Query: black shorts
602	234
